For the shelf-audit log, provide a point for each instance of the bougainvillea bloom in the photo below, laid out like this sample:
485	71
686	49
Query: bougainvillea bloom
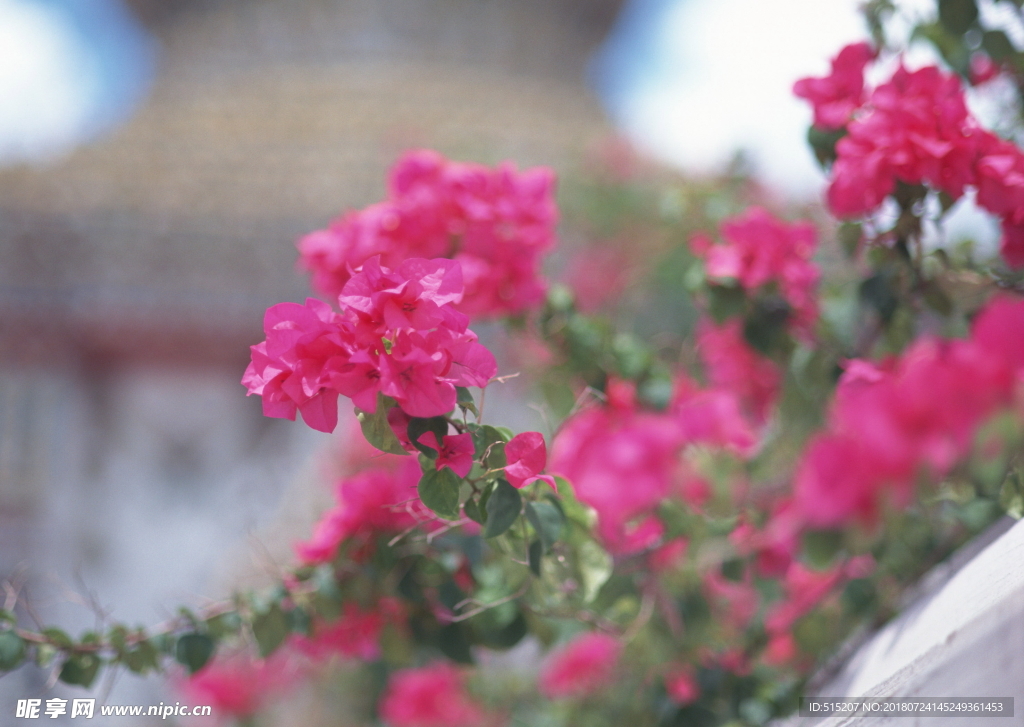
431	696
371	502
240	685
836	96
758	249
496	223
454	451
732	365
887	425
398	335
526	456
681	684
354	634
580	668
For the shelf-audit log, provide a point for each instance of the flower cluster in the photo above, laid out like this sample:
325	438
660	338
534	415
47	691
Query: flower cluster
916	128
624	461
887	424
496	223
399	335
760	250
581	667
430	696
733	366
369	503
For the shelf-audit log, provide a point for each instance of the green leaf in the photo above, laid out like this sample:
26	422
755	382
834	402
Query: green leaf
464	398
473	511
223	624
142	658
270	629
506	636
821	547
58	638
823	143
490	441
957	16
547	520
535	553
376	428
80	669
193	651
7	617
765	328
12	650
503	508
850	234
439	490
859	596
454	643
1011	495
418	427
732	569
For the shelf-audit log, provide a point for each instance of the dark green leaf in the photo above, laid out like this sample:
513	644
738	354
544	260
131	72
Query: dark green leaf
58	638
490	441
270	629
418	427
12	650
506	636
454	643
80	669
299	621
732	569
878	292
765	328
142	658
547	520
535	553
859	596
473	511
376	428
850	235
223	624
503	507
7	617
439	490
823	143
193	651
957	16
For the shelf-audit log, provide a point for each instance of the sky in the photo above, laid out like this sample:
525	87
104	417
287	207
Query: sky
68	70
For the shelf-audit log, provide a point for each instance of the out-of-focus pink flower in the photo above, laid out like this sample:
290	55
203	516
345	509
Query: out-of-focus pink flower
836	96
781	649
623	463
915	128
581	667
430	696
983	69
454	451
681	684
804	589
737	601
597	276
526	456
887	424
239	685
497	223
732	365
371	502
354	634
759	249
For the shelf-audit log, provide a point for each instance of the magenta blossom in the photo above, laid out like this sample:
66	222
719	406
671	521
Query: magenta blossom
526	455
431	696
455	451
580	668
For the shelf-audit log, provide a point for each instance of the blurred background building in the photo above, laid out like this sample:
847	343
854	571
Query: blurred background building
135	267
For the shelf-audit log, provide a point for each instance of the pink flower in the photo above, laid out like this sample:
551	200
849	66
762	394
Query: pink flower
623	463
526	456
758	250
496	223
239	685
431	696
398	335
455	451
580	668
354	634
836	96
804	589
733	366
371	502
915	128
736	601
781	649
681	684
